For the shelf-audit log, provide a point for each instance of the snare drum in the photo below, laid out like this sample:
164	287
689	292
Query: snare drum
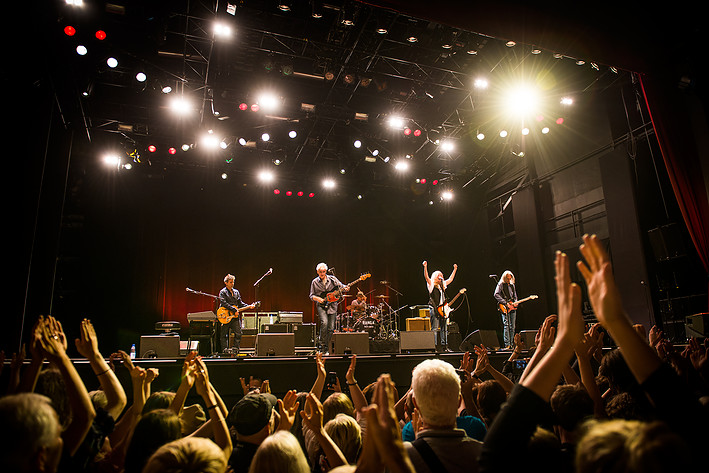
373	312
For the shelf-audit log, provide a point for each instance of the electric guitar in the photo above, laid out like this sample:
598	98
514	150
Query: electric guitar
503	307
225	315
444	309
336	295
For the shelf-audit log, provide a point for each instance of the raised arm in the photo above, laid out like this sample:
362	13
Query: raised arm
321	374
220	430
425	273
452	276
356	394
312	416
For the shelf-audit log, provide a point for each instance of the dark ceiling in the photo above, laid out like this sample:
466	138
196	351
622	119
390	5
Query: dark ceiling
428	82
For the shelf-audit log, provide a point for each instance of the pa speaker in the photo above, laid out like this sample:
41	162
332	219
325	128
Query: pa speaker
418	341
304	335
487	338
697	325
275	344
159	346
354	342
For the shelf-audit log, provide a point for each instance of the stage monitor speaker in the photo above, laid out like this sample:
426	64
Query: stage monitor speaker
194	346
350	343
697	325
528	338
417	341
275	344
159	346
304	335
248	341
487	338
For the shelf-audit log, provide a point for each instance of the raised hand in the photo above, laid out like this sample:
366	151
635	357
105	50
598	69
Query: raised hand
287	408
87	343
312	413
568	294
546	334
350	375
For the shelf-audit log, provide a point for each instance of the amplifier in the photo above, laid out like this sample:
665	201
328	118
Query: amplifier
290	317
304	335
275	344
348	343
274	328
418	340
159	346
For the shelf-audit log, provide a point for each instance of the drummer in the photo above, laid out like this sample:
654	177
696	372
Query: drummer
359	306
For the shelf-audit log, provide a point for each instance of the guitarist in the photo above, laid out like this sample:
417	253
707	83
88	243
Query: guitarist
436	297
506	296
230	299
327	311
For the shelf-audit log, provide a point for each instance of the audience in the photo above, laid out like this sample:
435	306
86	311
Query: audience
571	405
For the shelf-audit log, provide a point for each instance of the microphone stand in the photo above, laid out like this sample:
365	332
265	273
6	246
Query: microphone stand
256	288
214	326
394	313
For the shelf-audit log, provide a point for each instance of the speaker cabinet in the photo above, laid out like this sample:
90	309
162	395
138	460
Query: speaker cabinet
184	348
418	323
528	337
355	342
248	342
275	344
697	325
487	338
159	346
304	335
417	341
274	328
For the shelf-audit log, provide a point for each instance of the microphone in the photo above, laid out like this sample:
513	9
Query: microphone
493	276
270	270
331	270
384	282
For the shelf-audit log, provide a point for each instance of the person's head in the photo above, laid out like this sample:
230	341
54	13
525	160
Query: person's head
158	400
153	430
507	277
191	418
337	403
630	446
31	434
279	453
490	397
437	278
253	417
436	387
187	455
229	280
360	296
615	370
571	405
321	269
98	399
50	383
347	435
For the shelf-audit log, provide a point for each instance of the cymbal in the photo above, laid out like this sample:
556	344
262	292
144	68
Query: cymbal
383	297
347	295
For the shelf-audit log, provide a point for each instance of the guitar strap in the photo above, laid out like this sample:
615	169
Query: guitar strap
428	455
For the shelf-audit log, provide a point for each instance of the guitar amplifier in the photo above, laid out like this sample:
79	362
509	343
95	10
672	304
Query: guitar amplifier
304	335
274	328
248	320
275	344
290	317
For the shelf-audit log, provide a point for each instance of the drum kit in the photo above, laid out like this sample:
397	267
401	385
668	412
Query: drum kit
379	320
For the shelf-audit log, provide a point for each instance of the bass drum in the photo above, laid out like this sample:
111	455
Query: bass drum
369	325
373	312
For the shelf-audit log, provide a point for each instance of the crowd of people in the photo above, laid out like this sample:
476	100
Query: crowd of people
567	404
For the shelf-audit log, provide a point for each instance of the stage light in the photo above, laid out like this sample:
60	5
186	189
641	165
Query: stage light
480	136
152	148
317	11
417	132
141	77
559	121
396	122
277	162
447	195
481	83
375	152
166	90
223	144
525	131
265	137
243	107
522	100
209	140
343	171
349	78
69	30
300	194
312	194
435	182
370	159
328	184
447	146
567	101
172	150
407	131
329	75
357	144
75	3
242	141
222	30
359	196
186	147
412	39
289	193
292	134
81	50
284	6
545	130
511	44
401	166
503	133
224	176
100	35
276	191
180	105
255	107
112	160
268	101
266	176
112	62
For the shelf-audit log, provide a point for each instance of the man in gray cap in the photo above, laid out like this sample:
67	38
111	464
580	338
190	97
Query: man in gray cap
251	420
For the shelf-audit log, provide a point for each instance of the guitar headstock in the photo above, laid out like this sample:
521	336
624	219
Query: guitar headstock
365	276
534	296
462	290
256	304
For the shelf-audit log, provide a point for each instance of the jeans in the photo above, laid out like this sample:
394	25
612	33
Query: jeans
508	327
234	325
327	328
441	323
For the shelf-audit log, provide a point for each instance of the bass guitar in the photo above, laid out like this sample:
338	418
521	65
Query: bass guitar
503	307
336	295
225	315
444	309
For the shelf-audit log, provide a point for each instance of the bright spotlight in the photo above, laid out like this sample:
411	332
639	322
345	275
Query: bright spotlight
81	50
447	146
265	137
242	141
357	144
401	166
210	141
481	83
522	101
396	122
112	160
185	147
525	131
545	130
166	90
328	184
266	176
567	101
481	136
224	176
503	133
268	101
343	171
141	77
180	105
222	30
112	62
292	133
447	195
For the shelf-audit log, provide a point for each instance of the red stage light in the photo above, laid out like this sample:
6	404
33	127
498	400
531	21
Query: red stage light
172	151
407	131
243	107
312	194
435	182
100	35
289	193
255	107
152	148
300	193
423	181
417	132
69	30
559	121
276	191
